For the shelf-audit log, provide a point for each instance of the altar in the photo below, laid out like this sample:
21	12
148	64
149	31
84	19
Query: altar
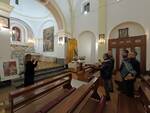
77	64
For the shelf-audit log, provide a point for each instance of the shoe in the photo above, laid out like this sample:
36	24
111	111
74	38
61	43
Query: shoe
107	98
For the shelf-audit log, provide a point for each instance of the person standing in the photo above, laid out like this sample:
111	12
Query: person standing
128	74
29	70
112	69
136	66
105	70
135	63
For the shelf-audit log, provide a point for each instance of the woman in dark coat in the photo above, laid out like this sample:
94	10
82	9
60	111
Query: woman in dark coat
29	70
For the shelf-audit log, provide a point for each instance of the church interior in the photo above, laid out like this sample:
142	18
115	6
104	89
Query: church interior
72	47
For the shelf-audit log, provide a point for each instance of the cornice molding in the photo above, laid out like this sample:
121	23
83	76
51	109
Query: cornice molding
5	7
53	7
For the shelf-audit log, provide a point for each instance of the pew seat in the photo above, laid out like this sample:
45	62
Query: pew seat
58	86
145	93
46	102
83	100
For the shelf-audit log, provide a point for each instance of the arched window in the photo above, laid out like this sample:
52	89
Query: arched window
85	7
16	34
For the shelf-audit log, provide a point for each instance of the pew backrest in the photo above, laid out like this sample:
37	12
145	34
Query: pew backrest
37	89
72	102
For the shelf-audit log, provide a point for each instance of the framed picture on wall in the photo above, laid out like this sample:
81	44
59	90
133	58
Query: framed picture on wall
4	22
9	69
123	33
16	34
48	39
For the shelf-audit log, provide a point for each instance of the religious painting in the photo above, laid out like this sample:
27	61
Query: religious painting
123	33
48	39
16	34
9	69
4	22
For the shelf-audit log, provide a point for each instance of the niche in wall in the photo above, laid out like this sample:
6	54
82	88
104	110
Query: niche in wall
87	46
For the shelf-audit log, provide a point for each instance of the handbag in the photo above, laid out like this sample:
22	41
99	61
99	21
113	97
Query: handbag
128	72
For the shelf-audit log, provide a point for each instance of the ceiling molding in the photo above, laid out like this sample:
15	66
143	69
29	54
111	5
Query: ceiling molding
5	7
58	15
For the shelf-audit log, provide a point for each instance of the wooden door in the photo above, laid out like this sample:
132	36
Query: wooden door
71	49
137	43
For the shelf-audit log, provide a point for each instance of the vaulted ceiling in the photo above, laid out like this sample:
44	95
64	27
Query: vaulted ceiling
65	7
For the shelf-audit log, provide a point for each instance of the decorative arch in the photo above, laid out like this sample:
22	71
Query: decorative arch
25	29
52	6
47	22
135	29
87	32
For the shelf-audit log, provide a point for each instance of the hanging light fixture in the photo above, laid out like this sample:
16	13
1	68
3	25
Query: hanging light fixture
101	38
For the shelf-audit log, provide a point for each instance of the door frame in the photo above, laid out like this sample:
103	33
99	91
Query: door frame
130	42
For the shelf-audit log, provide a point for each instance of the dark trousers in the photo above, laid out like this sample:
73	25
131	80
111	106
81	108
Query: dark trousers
128	87
111	85
107	85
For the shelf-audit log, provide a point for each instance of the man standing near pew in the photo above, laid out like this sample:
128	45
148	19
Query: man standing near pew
136	66
135	63
106	73
127	73
112	68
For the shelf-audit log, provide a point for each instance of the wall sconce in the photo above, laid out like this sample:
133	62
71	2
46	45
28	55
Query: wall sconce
1	26
12	32
61	40
31	40
101	38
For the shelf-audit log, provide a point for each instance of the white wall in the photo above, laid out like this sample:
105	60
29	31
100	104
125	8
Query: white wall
87	22
130	10
65	8
86	45
5	50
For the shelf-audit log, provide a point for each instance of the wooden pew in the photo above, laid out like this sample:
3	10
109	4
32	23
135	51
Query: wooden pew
145	93
84	100
140	104
86	73
42	74
23	97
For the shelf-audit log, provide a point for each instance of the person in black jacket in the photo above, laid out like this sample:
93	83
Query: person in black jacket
29	70
112	69
106	73
128	79
122	84
135	63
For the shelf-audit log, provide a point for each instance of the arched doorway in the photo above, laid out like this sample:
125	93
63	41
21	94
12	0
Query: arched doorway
133	38
87	46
